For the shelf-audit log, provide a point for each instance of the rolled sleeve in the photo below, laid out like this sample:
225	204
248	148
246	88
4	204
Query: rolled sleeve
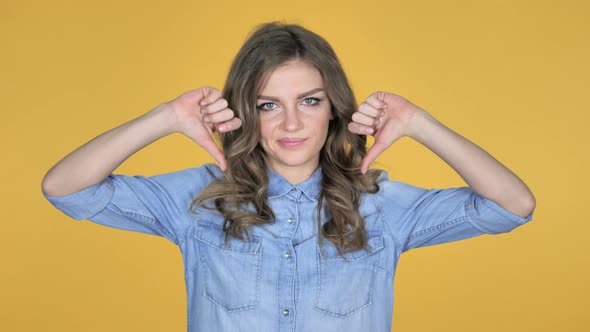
419	217
491	218
85	203
157	205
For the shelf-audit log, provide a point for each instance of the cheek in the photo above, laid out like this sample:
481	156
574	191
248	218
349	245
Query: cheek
265	132
324	123
265	137
268	126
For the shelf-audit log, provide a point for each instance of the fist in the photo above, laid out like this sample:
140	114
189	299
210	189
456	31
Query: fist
385	116
201	112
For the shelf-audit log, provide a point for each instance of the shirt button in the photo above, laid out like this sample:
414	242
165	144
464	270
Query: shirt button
293	189
287	254
290	220
286	312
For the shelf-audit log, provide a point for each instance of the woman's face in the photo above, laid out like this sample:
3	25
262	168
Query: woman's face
294	113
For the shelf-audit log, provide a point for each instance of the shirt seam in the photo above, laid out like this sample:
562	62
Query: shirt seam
474	223
502	211
146	220
108	198
184	236
436	227
386	226
444	224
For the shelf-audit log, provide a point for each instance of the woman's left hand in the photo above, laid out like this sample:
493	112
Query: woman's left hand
387	117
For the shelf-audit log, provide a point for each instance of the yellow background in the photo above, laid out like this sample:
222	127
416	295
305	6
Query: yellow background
512	76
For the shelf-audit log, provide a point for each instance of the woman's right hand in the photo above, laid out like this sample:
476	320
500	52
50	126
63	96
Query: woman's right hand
201	112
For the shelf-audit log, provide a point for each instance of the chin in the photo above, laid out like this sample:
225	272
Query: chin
292	160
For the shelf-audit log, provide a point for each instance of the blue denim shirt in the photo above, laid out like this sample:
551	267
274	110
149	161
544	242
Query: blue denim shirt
280	280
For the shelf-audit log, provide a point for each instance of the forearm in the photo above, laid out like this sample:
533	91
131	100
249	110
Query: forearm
94	161
482	172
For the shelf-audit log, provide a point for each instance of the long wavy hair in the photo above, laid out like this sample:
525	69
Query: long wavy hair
245	181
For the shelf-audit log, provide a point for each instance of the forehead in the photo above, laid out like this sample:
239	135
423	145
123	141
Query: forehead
291	79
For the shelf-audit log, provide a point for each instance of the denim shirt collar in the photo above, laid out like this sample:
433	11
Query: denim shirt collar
279	186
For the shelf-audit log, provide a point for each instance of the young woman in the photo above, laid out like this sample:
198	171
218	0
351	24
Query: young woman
291	232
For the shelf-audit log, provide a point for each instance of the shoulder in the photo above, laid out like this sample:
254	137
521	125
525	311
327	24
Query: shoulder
395	192
204	173
193	179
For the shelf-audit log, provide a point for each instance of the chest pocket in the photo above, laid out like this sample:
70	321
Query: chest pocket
346	286
231	274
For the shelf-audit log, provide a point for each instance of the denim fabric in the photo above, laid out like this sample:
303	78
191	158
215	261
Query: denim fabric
280	280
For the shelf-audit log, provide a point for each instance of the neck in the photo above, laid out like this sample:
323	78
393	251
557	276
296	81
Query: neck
294	175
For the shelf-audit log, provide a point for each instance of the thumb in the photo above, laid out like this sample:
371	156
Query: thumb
210	146
371	155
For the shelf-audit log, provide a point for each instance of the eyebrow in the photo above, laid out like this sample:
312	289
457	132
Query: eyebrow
300	96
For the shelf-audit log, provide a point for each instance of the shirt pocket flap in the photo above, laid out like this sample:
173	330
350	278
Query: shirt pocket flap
214	237
375	243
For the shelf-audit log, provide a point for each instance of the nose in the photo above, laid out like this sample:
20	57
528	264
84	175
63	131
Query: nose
292	119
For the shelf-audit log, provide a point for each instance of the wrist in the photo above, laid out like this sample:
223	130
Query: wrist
415	123
418	124
166	119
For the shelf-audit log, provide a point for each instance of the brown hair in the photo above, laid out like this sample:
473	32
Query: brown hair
269	46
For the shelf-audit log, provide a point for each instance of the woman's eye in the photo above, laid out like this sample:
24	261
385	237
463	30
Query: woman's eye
307	102
262	107
315	101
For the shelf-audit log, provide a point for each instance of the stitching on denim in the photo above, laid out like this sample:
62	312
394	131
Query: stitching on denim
95	214
437	227
484	230
319	278
278	287
187	230
357	255
140	218
390	232
321	267
254	244
153	222
384	270
296	284
258	274
193	220
350	312
214	300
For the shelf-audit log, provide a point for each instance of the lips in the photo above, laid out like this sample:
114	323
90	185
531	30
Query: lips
292	142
